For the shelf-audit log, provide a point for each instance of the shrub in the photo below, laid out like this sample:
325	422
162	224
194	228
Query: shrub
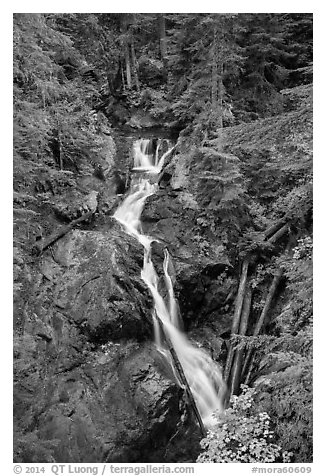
241	435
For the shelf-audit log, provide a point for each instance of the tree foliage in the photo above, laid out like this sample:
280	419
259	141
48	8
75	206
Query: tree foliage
52	102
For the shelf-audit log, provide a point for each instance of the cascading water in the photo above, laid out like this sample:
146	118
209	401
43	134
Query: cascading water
202	373
147	160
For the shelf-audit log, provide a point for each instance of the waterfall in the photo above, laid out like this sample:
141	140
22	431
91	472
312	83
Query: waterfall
146	155
202	373
157	151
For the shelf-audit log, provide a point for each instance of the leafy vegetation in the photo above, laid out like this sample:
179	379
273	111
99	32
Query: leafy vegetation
242	435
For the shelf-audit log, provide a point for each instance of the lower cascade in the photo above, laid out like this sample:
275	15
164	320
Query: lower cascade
201	372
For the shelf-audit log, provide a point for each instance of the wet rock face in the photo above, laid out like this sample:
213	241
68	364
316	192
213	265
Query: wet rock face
89	384
171	217
116	406
73	205
99	285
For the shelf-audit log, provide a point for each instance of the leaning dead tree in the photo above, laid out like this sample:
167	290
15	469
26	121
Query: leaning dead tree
237	316
263	318
235	369
262	321
235	377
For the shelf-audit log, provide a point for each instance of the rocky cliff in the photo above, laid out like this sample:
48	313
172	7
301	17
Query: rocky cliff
89	384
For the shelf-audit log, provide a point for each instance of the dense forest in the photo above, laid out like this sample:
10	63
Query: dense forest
233	94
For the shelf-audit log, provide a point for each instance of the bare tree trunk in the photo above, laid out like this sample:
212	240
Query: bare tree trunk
134	65
240	296
220	105
214	74
123	80
278	234
272	290
125	21
162	35
262	319
238	359
237	315
274	228
251	366
128	68
59	152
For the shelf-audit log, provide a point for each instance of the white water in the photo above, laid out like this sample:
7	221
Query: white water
144	158
202	373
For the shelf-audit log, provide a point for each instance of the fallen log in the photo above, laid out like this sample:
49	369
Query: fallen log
278	234
236	316
44	243
273	229
239	353
182	377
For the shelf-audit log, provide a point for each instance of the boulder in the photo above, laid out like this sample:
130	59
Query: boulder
73	204
100	287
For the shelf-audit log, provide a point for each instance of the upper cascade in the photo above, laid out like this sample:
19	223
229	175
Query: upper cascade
202	373
149	154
